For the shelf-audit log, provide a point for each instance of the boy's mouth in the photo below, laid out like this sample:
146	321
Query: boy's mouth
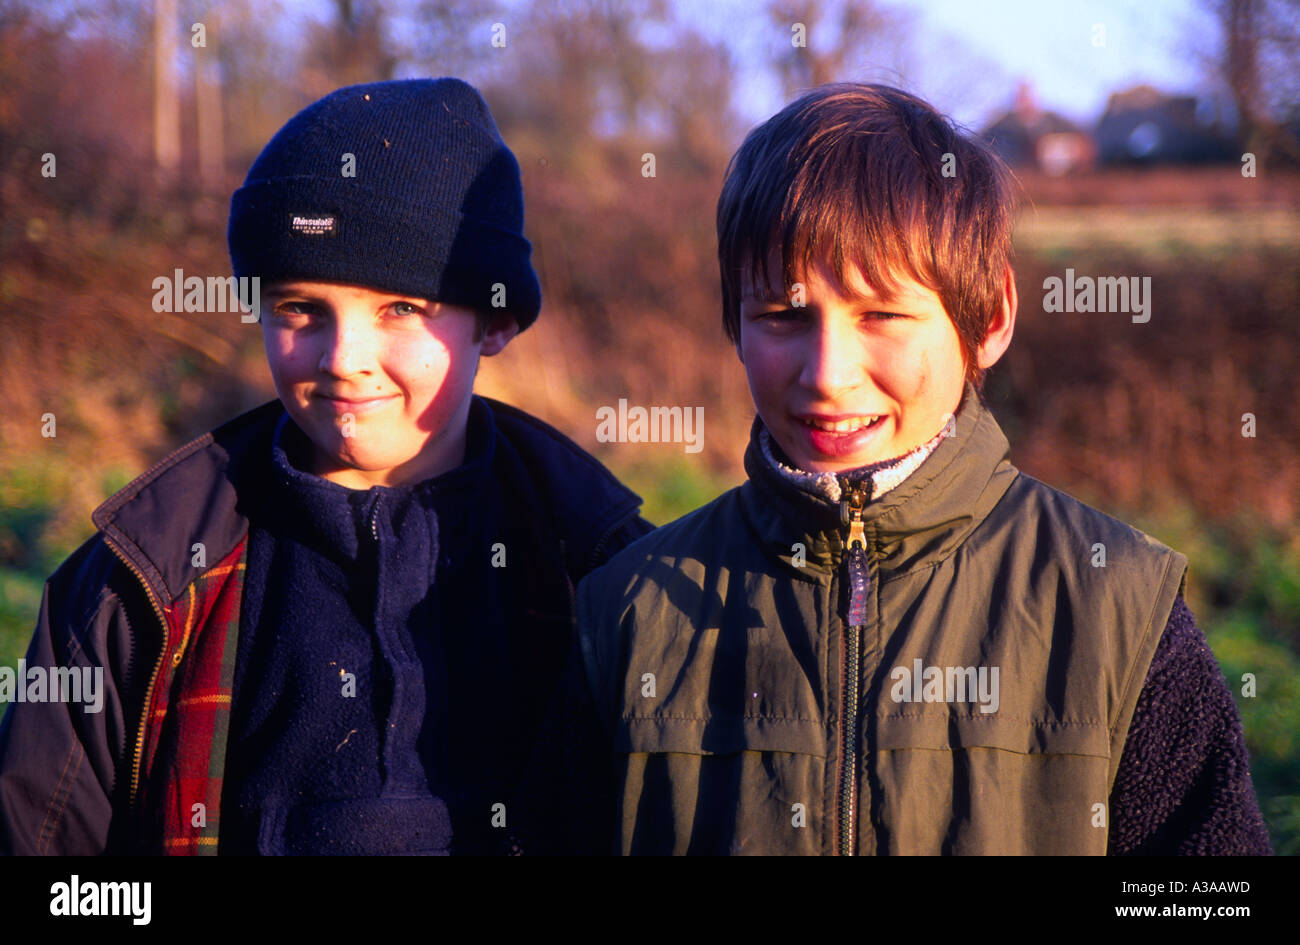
342	405
846	425
839	437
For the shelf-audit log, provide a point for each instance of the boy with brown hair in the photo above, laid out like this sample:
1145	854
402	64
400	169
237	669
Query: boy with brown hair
888	640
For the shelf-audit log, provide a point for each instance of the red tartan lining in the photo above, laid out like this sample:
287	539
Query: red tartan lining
191	706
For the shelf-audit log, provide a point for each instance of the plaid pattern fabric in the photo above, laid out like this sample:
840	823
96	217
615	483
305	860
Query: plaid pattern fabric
189	718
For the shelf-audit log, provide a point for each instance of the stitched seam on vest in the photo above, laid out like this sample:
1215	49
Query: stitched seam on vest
1001	718
1128	682
1010	751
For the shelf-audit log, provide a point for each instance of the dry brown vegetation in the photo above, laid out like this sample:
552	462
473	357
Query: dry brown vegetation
1131	414
1143	420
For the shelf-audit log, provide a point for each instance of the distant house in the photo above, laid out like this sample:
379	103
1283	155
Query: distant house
1029	136
1144	126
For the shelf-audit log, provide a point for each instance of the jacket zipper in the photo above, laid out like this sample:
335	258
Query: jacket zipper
857	573
137	756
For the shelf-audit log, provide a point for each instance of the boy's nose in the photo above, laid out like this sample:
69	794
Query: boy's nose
833	361
348	350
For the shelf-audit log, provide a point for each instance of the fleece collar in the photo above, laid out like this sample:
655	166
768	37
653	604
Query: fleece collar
883	475
335	519
919	521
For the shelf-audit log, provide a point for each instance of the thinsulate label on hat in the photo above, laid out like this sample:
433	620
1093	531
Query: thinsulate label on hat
314	224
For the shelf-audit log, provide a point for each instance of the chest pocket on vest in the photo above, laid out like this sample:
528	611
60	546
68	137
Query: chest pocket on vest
950	784
730	785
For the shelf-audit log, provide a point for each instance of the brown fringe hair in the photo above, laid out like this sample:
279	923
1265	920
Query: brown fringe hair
854	173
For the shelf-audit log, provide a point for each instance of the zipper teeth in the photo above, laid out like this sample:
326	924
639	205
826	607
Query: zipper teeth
849	766
854	550
137	757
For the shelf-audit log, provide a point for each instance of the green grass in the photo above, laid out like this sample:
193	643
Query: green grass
36	535
21	581
29	499
20	601
670	487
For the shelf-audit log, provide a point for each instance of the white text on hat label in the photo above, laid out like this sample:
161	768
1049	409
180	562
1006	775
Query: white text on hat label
320	225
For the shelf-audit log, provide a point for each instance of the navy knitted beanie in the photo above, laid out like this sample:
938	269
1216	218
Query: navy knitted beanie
404	186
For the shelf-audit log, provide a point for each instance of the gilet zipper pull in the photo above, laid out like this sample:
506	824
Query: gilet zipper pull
853	500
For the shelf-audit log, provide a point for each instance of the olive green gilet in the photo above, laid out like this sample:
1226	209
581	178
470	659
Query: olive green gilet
717	652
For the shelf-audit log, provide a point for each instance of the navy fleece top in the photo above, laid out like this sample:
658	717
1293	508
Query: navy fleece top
337	742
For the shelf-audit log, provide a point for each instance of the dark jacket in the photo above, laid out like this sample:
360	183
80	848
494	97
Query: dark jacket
162	620
764	686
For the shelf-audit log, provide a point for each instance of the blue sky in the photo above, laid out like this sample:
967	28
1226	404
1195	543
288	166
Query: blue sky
1050	44
967	56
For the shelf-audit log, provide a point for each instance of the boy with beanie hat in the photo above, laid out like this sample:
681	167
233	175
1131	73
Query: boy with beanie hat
335	623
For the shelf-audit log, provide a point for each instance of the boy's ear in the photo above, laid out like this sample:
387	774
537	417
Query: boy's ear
998	338
501	328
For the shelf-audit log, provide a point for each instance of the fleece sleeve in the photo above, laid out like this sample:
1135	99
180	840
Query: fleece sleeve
1183	786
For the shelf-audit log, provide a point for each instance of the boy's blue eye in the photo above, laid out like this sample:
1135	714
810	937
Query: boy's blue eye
295	308
406	308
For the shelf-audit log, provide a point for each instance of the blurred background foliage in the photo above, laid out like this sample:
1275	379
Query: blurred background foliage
1141	420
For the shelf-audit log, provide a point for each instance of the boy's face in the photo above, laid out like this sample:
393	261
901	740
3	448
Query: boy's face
848	379
379	381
